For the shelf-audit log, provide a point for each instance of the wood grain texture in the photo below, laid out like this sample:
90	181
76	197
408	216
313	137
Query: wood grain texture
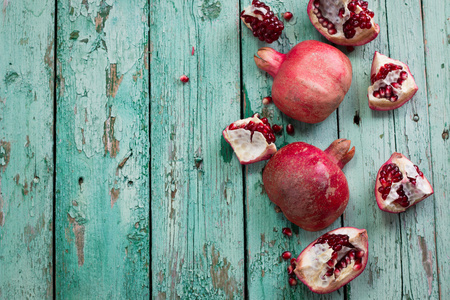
26	149
412	135
267	272
102	183
197	204
437	57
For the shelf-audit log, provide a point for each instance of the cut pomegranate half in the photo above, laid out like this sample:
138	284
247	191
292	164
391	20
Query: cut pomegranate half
400	184
392	83
343	22
252	139
333	260
261	20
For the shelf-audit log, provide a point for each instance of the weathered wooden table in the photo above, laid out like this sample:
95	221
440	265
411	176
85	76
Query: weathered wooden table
115	181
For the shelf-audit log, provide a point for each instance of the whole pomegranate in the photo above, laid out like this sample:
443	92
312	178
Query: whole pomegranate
343	22
333	260
392	83
400	184
309	82
308	184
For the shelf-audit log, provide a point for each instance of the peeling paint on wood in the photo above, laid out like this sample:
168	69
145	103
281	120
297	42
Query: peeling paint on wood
78	231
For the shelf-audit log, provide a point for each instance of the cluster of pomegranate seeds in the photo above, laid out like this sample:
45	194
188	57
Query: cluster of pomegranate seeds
387	91
290	271
269	28
337	242
361	19
390	174
287	231
286	255
356	20
263	127
290	129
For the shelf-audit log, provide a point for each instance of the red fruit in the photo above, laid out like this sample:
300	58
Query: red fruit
267	100
287	15
286	255
290	129
276	128
392	83
292	282
400	184
343	22
259	18
333	260
252	139
309	82
184	78
287	231
308	184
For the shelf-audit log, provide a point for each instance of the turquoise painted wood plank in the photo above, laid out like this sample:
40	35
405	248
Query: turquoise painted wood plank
267	272
437	54
197	202
418	253
102	181
26	149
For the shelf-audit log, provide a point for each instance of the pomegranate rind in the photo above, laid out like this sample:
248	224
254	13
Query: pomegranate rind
389	205
407	91
310	81
362	36
310	266
307	184
249	149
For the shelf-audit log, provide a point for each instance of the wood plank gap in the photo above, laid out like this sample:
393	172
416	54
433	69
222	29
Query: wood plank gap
149	96
55	107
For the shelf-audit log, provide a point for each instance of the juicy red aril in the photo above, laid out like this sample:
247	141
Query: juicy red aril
290	129
287	15
292	281
263	127
384	71
276	128
293	262
290	269
287	231
361	20
286	255
267	100
388	175
184	78
269	28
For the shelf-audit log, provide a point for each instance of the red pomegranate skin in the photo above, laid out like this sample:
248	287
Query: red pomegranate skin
310	81
308	184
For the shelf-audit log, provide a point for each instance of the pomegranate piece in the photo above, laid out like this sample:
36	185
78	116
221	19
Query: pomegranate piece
308	184
252	139
343	22
392	83
309	82
333	260
400	184
261	20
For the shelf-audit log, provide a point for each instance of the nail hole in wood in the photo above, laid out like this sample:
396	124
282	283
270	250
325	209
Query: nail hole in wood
416	118
80	180
356	118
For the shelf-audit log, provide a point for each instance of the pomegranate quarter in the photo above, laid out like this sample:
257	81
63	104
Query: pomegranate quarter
333	260
309	82
343	22
392	83
252	139
308	184
400	184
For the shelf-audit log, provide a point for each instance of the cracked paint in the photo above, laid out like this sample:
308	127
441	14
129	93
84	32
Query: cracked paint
5	5
427	262
219	274
112	81
109	138
114	196
78	231
5	150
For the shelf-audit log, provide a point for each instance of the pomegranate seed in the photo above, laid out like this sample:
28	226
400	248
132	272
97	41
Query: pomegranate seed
288	15
276	128
351	6
290	129
293	262
267	100
290	269
357	267
232	126
184	78
286	255
292	281
330	263
287	231
265	121
329	272
350	48
193	51
360	254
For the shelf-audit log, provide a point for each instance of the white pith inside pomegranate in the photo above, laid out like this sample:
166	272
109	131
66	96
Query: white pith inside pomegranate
308	184
400	184
333	260
392	83
252	139
261	20
310	81
343	22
